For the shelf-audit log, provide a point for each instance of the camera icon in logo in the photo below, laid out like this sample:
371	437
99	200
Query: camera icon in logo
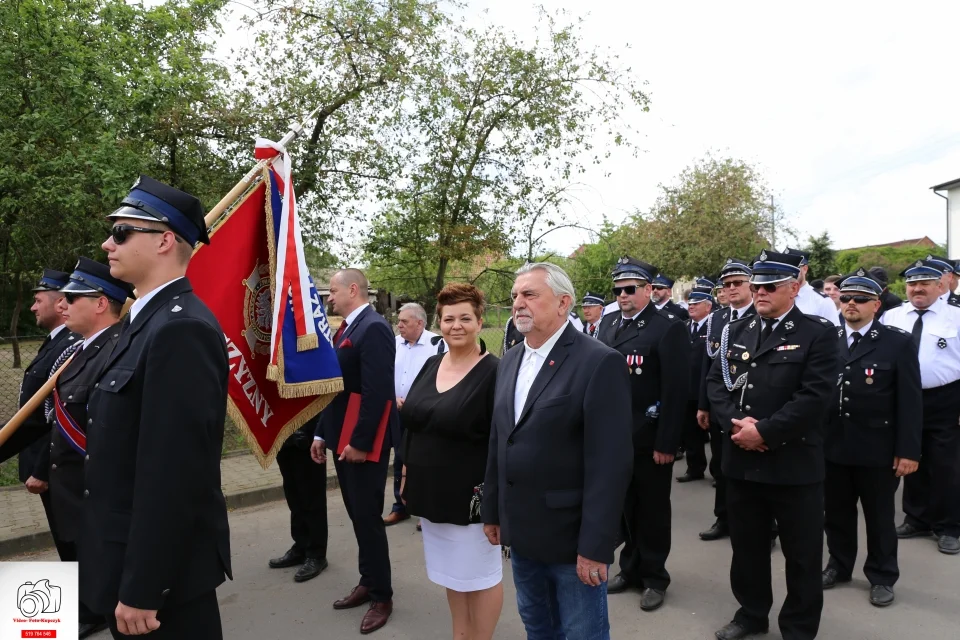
34	598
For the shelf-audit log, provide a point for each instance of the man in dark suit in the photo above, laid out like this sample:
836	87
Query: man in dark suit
559	461
366	350
699	304
32	439
656	348
91	307
735	285
872	440
155	544
770	388
662	295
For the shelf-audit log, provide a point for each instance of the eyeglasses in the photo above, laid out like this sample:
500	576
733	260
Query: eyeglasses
629	290
732	284
659	288
120	232
73	297
769	287
845	298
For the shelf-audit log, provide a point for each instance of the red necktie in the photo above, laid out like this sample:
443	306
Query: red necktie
591	328
336	336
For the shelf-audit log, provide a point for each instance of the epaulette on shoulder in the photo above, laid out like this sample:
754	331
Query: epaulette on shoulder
817	319
953	302
669	315
897	329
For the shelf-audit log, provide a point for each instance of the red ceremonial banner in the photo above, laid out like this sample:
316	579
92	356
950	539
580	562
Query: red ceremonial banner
233	277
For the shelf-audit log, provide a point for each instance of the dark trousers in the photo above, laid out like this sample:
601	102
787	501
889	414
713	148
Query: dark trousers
647	515
305	488
875	488
716	470
198	619
799	511
931	496
66	550
362	488
694	441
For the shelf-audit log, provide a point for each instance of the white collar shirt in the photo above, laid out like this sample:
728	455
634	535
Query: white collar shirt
813	304
140	303
530	366
411	356
939	341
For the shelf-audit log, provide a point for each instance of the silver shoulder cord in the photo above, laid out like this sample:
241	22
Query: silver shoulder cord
711	353
725	364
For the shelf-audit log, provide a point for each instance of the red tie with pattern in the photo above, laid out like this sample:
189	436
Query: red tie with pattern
336	336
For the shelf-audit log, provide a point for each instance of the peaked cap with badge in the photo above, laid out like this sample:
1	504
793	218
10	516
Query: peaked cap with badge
922	270
152	200
628	268
90	276
771	267
51	280
860	281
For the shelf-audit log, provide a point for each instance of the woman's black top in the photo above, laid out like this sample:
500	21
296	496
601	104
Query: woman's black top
446	436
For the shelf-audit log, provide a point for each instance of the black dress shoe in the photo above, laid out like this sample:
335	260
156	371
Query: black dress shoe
652	599
90	628
617	584
690	477
715	532
949	545
291	558
311	569
831	578
907	530
735	631
881	595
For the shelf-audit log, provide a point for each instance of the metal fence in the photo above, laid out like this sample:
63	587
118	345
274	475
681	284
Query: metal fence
11	375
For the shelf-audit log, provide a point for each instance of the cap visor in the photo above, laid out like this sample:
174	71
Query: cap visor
769	278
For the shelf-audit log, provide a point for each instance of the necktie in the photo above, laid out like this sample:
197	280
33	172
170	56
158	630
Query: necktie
856	340
918	328
591	328
336	336
693	329
768	326
736	314
623	325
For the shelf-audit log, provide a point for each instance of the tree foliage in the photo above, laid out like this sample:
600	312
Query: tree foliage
823	258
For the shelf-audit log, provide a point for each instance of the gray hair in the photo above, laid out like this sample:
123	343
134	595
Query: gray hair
557	279
418	311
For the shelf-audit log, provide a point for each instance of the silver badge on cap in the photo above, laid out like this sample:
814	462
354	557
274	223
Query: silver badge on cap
861	272
729	260
929	257
919	263
763	256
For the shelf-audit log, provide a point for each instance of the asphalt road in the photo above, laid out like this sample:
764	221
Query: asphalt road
265	604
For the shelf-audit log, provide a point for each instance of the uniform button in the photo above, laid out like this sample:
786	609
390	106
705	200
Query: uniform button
51	446
87	458
53	466
749	386
89	420
753	364
803	439
509	440
509	483
70	397
747	407
848	368
96	386
86	493
846	415
166	592
846	399
847	382
113	382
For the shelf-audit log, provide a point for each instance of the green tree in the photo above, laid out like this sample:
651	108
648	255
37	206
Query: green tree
823	258
495	122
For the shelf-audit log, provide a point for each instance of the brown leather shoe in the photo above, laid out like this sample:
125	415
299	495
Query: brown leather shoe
376	616
360	595
395	517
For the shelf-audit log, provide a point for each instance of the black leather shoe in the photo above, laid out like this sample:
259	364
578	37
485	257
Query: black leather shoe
715	532
617	584
735	631
881	595
831	578
949	545
311	569
652	599
690	477
907	530
90	628
291	558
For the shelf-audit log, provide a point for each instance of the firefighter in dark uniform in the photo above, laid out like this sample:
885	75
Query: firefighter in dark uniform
700	304
155	519
769	389
92	304
592	313
656	348
32	439
662	293
872	437
735	283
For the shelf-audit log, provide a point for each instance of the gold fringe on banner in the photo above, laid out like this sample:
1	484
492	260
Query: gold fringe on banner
307	342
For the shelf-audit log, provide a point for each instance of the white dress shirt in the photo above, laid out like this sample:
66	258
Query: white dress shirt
533	360
939	342
862	331
812	303
348	321
141	302
56	332
742	310
410	360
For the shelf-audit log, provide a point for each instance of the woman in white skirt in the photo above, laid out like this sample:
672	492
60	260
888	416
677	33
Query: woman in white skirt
446	419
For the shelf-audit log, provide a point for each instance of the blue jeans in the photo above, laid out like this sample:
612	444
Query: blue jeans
555	605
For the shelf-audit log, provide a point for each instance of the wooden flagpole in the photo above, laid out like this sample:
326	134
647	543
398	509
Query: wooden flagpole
32	404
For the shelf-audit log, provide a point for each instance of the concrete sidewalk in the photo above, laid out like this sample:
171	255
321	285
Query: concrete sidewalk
23	524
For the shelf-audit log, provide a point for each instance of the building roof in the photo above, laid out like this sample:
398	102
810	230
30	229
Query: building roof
925	241
947	185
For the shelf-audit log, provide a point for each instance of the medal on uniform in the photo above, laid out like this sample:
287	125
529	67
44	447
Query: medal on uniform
733	368
745	356
869	373
639	361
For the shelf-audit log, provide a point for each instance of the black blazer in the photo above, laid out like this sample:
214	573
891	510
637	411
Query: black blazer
715	324
32	439
66	463
155	521
557	477
872	423
698	353
790	380
660	338
366	352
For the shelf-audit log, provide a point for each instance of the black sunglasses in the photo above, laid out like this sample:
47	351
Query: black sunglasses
769	287
845	298
73	297
659	287
731	284
629	290
120	232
